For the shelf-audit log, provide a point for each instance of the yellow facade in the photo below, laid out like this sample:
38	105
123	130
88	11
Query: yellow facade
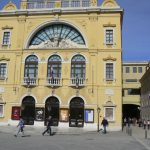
96	92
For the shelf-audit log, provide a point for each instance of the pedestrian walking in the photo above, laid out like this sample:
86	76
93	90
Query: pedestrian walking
148	124
105	124
21	127
48	129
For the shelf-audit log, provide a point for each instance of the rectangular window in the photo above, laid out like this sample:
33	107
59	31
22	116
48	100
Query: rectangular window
139	69
2	71
1	110
109	36
134	91
109	113
134	69
109	71
6	38
127	70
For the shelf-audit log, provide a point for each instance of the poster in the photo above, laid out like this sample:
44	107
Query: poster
39	114
89	115
64	115
15	115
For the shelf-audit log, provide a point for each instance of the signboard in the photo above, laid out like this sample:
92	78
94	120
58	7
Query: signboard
15	115
64	115
89	115
39	114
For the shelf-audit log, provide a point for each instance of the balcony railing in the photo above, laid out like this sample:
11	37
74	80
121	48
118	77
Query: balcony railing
56	4
30	81
55	81
77	82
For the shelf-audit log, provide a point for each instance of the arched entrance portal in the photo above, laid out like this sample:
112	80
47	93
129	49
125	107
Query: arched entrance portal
28	110
76	118
52	108
131	111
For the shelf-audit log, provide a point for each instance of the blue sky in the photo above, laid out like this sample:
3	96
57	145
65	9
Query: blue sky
136	28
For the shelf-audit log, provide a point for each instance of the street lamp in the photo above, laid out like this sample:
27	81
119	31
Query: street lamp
98	112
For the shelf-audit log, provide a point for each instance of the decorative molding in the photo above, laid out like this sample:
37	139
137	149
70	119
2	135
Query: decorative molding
21	19
10	6
110	4
109	58
4	58
7	27
109	25
83	23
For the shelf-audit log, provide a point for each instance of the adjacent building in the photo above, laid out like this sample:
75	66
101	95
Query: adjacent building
61	58
145	94
132	73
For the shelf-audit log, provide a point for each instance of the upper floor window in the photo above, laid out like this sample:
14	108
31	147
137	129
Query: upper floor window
109	71
2	70
31	67
127	69
6	38
109	36
134	69
54	67
139	69
78	67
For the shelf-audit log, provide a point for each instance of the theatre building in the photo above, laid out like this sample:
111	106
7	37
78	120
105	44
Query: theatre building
61	58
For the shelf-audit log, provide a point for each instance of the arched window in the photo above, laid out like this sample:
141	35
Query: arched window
54	67
57	36
31	66
78	67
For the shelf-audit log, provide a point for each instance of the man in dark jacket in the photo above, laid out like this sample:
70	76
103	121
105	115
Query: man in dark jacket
105	124
48	129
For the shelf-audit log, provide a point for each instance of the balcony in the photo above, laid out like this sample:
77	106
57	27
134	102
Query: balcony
30	81
45	4
78	82
55	81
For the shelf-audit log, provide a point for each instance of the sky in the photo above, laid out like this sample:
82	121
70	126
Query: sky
135	31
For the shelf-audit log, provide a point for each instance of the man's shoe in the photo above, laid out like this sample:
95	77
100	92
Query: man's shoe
43	134
15	135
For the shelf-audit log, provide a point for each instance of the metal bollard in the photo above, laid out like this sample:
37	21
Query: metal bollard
145	134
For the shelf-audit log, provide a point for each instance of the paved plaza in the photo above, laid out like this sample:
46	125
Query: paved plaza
72	139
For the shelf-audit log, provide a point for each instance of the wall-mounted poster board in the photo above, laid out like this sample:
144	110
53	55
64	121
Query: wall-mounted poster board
89	115
64	115
15	115
39	114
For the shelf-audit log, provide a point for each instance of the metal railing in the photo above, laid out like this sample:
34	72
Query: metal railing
55	4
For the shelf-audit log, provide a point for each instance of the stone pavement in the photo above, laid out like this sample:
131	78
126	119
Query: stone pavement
138	134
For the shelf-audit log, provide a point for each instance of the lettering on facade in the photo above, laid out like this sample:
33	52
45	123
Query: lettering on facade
93	18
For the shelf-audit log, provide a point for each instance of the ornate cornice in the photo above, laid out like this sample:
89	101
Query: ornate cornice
7	27
4	58
109	58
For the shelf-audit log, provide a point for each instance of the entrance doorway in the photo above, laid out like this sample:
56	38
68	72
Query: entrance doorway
52	109
76	118
28	110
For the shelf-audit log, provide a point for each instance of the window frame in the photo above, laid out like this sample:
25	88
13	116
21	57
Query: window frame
9	42
105	71
113	113
113	36
134	70
27	66
5	76
58	67
127	71
74	68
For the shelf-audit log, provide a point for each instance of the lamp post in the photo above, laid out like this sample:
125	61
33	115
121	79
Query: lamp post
98	112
